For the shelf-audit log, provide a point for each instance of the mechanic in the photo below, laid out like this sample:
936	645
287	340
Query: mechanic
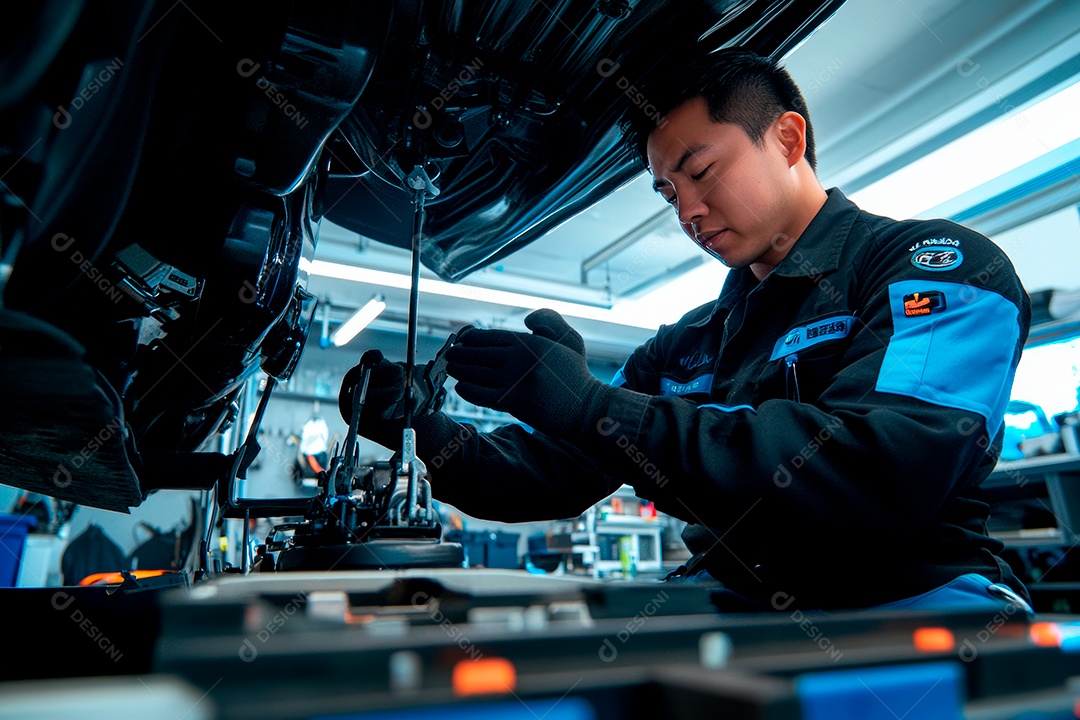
823	426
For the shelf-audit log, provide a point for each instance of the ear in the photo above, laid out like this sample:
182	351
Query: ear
790	133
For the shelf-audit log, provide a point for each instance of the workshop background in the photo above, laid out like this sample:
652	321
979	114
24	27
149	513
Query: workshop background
963	109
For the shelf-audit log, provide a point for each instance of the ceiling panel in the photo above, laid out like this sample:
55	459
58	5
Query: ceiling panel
885	80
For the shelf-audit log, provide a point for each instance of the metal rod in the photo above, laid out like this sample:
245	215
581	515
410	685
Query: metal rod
616	246
359	397
408	452
414	299
244	543
239	468
680	269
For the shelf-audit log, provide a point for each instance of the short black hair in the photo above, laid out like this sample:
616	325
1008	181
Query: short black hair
740	87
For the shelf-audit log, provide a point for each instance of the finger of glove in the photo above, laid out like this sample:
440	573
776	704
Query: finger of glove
486	338
376	404
484	371
385	388
488	397
550	324
487	356
370	358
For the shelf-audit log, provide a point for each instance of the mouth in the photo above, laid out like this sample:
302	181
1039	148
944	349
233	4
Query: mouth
708	239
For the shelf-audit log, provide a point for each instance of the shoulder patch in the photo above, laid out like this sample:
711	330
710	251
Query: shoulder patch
937	258
924	303
931	355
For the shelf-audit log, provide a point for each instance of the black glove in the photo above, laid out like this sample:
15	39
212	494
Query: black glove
383	417
542	379
439	437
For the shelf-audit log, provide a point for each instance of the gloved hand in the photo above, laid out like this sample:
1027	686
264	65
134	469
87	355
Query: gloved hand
382	417
541	378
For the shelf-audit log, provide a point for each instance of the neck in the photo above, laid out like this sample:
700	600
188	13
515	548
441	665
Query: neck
807	200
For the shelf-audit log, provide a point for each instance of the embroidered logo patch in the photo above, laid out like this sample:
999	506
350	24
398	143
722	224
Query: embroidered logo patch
923	303
937	258
935	242
807	336
696	359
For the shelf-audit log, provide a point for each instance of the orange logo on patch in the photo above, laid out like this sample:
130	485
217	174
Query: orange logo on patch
923	303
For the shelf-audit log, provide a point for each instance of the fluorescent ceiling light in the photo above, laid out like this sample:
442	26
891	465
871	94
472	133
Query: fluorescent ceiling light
473	292
360	319
976	158
670	301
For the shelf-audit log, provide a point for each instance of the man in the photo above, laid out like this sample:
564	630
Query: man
823	426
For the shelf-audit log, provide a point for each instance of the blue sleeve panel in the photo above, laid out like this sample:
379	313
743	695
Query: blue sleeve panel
620	377
958	355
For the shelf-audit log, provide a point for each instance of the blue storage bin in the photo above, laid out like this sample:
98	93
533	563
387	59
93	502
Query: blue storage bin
13	531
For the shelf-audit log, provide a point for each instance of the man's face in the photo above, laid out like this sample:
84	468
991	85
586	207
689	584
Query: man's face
732	196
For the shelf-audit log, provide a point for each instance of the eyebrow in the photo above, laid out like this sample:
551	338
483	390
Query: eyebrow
690	151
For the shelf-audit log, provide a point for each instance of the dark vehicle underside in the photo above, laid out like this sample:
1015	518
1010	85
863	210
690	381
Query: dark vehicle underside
164	168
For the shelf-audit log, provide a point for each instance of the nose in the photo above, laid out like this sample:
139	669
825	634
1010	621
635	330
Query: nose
691	208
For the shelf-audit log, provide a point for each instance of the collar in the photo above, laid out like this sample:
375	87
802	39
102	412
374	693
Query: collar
738	283
818	249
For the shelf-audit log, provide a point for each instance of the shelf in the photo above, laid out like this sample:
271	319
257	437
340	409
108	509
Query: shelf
304	397
468	416
1025	538
1057	478
1007	471
633	521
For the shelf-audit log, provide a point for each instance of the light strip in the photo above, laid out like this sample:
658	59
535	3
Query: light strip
474	292
360	320
976	158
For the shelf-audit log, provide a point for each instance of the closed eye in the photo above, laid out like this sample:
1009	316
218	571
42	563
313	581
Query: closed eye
702	173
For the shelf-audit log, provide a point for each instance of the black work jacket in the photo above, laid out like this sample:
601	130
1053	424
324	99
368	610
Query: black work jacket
824	432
